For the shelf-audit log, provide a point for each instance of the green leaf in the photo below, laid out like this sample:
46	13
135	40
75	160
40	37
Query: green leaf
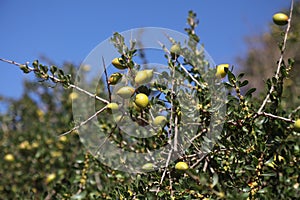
249	92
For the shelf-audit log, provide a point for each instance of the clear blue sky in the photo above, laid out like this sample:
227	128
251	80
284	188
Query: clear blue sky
68	30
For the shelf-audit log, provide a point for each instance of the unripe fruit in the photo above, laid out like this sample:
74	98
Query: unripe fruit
50	178
125	92
9	157
141	100
159	121
280	19
118	63
136	107
175	50
113	106
114	78
222	70
297	125
143	77
181	166
148	166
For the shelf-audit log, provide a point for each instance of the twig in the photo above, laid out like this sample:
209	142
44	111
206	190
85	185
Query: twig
84	122
31	69
276	117
280	60
294	111
106	79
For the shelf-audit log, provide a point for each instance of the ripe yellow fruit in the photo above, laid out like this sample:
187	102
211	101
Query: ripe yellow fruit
297	125
9	157
141	100
118	63
181	166
126	92
50	178
113	106
159	121
222	70
280	19
136	107
175	50
148	166
143	76
114	78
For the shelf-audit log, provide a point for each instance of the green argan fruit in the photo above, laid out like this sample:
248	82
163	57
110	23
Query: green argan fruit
148	166
175	50
125	92
159	121
114	78
141	100
118	63
113	106
280	19
297	125
143	76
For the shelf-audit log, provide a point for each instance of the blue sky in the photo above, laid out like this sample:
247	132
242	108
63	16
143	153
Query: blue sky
69	30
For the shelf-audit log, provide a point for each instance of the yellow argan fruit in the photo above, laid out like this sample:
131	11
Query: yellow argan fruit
113	106
159	121
280	19
297	125
143	76
175	50
50	178
114	78
125	92
9	157
222	70
181	166
118	63
141	100
148	166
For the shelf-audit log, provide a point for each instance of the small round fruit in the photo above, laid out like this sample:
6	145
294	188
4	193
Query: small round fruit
9	157
175	50
143	77
297	125
148	166
118	63
136	107
50	178
159	121
280	19
114	78
181	166
141	100
222	70
113	106
125	92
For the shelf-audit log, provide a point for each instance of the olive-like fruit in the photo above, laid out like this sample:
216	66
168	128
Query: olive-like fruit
114	78
141	100
50	178
175	50
297	125
125	92
113	106
118	63
181	166
148	166
280	19
9	157
159	121
143	76
222	70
